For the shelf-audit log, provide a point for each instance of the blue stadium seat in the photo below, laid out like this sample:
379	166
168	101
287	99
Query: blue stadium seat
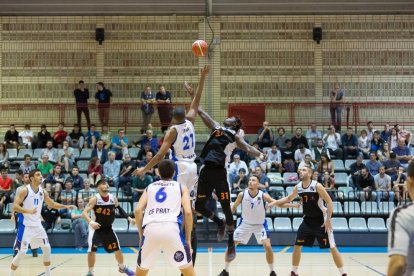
65	226
83	166
12	154
270	224
37	153
23	152
341	179
133	152
276	211
347	193
275	178
282	225
76	153
386	207
340	224
126	206
348	164
352	208
120	225
277	192
376	225
296	223
84	176
357	225
369	208
337	208
296	211
7	226
289	189
86	154
338	165
290	174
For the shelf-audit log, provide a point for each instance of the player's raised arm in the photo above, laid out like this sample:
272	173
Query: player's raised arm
242	144
195	103
169	138
85	213
285	200
208	121
269	200
329	205
188	214
139	217
19	200
237	202
53	204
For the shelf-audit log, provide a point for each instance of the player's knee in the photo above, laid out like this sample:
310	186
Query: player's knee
18	258
200	205
46	253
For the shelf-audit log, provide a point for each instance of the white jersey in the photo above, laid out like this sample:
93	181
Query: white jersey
164	202
228	150
253	208
33	200
183	148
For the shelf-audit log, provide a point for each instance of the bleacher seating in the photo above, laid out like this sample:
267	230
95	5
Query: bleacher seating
341	178
338	165
85	154
376	225
12	154
23	152
120	225
357	225
282	225
340	224
296	223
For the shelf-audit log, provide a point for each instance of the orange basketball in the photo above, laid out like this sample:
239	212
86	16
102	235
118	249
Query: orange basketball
200	48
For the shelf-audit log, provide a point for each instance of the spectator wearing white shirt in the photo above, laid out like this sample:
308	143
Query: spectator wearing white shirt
235	166
370	130
332	142
364	144
301	153
27	136
313	135
51	152
274	159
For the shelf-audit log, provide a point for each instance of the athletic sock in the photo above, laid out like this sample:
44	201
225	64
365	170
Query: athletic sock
295	269
226	266
341	270
271	267
47	270
91	270
121	266
217	220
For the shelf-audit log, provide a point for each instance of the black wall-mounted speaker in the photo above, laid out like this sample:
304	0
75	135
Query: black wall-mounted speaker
317	34
100	35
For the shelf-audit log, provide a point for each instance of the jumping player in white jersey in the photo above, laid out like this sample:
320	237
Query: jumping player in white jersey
160	227
103	206
29	202
316	220
180	140
253	220
401	234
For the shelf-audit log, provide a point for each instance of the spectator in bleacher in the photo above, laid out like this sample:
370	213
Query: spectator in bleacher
364	184
274	159
404	134
100	152
393	139
92	137
400	185
153	171
26	136
280	139
59	136
81	100
313	135
87	192
265	136
326	165
386	133
240	182
120	145
95	171
299	139
6	184
17	182
316	176
143	152
150	139
235	167
376	143
355	170
318	150
43	136
350	144
11	138
111	170
264	181
370	130
75	138
391	166
45	167
66	157
67	196
164	106
364	144
373	164
300	153
54	181
383	186
127	167
162	139
147	106
4	156
75	179
336	98
51	152
257	162
103	98
139	184
307	161
332	141
403	153
384	153
288	157
50	217
106	136
27	164
328	182
79	226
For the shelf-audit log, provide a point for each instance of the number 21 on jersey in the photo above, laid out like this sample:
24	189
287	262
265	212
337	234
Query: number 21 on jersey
186	142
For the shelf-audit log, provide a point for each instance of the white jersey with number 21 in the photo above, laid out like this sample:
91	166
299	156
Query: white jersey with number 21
183	148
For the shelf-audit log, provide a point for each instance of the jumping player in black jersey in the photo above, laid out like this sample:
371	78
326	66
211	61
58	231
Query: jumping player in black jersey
213	175
316	220
103	207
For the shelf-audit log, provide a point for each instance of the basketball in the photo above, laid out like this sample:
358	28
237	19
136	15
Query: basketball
200	48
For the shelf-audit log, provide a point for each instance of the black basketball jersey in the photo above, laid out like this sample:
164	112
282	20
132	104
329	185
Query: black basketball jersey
314	209
219	147
104	211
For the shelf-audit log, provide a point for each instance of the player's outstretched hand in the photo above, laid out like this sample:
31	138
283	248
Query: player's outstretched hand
327	225
95	225
189	88
205	70
33	211
131	220
71	207
296	205
138	172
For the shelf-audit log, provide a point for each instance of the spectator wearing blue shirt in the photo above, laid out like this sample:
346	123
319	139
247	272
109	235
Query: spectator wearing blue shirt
92	137
377	143
111	170
373	164
120	145
386	133
350	143
147	106
149	139
403	153
264	180
391	166
336	97
75	179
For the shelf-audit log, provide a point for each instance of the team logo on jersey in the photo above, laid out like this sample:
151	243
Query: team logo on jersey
312	188
192	193
179	256
41	194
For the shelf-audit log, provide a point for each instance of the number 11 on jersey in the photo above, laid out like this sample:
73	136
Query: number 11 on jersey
36	201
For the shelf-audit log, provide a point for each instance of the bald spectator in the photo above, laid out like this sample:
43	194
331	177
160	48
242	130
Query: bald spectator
265	136
150	139
403	153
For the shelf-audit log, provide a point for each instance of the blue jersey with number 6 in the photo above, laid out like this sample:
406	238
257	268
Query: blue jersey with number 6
164	202
183	148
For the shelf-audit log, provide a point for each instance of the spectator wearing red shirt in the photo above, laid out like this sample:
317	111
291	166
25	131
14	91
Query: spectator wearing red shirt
6	184
60	135
95	171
